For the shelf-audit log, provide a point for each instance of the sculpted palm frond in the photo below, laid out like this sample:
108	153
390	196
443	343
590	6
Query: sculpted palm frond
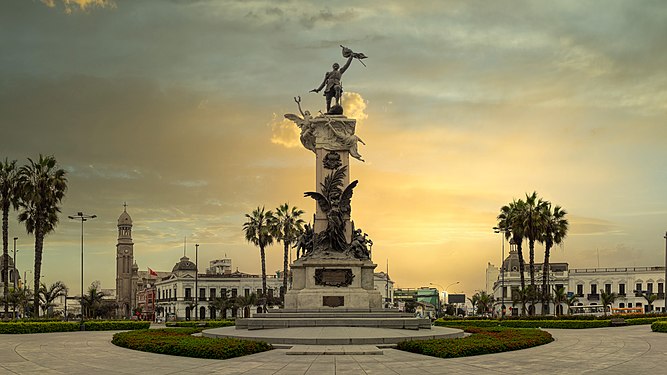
42	187
9	194
321	200
333	182
346	198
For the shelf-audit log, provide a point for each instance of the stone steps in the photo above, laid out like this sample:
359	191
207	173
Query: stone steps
337	321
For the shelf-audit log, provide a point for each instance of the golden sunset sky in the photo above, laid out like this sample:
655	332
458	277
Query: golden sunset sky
176	107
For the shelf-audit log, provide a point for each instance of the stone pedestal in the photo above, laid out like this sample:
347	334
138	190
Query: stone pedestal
335	284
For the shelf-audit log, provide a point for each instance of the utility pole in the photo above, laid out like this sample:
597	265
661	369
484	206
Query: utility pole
196	279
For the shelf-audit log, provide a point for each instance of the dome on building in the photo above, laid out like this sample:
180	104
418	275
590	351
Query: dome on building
124	219
184	265
511	263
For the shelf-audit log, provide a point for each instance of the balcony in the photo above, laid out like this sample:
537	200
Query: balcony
593	297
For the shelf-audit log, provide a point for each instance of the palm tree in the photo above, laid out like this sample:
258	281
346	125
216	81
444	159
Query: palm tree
532	221
559	298
258	232
570	301
20	297
484	302
8	198
521	297
42	188
650	298
555	228
92	301
48	295
245	302
510	220
474	300
222	304
607	299
286	228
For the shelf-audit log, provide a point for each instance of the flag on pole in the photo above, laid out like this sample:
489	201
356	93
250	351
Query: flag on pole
151	272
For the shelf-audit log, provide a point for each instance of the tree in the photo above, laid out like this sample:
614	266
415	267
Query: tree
93	301
257	230
570	301
9	194
521	297
286	228
532	221
607	300
483	301
509	219
473	301
42	188
222	304
559	298
242	303
20	297
555	228
650	298
48	295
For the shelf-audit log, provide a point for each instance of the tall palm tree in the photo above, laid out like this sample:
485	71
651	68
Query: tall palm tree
509	219
286	228
555	228
8	198
48	295
42	187
532	221
257	230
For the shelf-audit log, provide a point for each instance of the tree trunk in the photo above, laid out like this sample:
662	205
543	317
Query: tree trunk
5	253
39	244
286	244
522	268
545	274
531	248
263	257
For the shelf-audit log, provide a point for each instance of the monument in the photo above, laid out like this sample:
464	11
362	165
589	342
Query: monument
332	277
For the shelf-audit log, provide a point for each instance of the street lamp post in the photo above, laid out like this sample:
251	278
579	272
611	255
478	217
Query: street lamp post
664	284
15	238
196	285
502	269
83	218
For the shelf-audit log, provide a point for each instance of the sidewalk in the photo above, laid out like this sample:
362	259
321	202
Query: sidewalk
608	351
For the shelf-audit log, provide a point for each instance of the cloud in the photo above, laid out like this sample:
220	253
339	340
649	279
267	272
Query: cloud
71	6
284	132
354	106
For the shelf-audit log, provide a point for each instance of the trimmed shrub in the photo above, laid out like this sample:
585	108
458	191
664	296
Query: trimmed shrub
202	323
638	321
515	323
659	327
90	325
482	341
180	342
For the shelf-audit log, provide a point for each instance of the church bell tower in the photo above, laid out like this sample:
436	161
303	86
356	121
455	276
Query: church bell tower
124	262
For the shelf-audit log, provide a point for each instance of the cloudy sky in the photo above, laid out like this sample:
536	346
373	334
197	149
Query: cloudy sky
175	107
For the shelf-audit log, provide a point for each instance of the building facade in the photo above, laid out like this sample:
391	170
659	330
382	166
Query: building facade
181	296
126	269
629	284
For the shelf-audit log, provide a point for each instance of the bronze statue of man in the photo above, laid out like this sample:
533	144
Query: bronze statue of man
332	80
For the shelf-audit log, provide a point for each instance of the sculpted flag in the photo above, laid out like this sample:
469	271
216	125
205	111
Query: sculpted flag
151	272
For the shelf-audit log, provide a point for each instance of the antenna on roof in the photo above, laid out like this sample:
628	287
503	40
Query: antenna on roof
185	240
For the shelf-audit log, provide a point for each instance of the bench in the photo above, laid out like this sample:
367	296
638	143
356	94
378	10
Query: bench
617	322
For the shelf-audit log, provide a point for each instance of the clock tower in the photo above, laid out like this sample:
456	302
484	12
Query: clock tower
124	266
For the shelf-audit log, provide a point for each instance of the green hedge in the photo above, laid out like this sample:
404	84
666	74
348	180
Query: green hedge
180	342
567	324
202	323
637	321
659	327
482	341
91	325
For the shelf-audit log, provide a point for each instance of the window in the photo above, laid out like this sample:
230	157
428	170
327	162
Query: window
246	292
259	292
211	293
661	288
223	292
629	304
188	293
169	293
607	288
580	290
234	293
270	292
202	293
649	287
594	288
638	287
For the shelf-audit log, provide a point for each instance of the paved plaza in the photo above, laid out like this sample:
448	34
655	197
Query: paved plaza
608	351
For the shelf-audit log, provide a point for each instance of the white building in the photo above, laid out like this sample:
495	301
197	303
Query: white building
180	296
586	284
385	285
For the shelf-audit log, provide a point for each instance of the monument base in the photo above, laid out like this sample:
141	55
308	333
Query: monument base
335	284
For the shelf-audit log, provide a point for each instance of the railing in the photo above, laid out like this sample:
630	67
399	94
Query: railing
625	269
